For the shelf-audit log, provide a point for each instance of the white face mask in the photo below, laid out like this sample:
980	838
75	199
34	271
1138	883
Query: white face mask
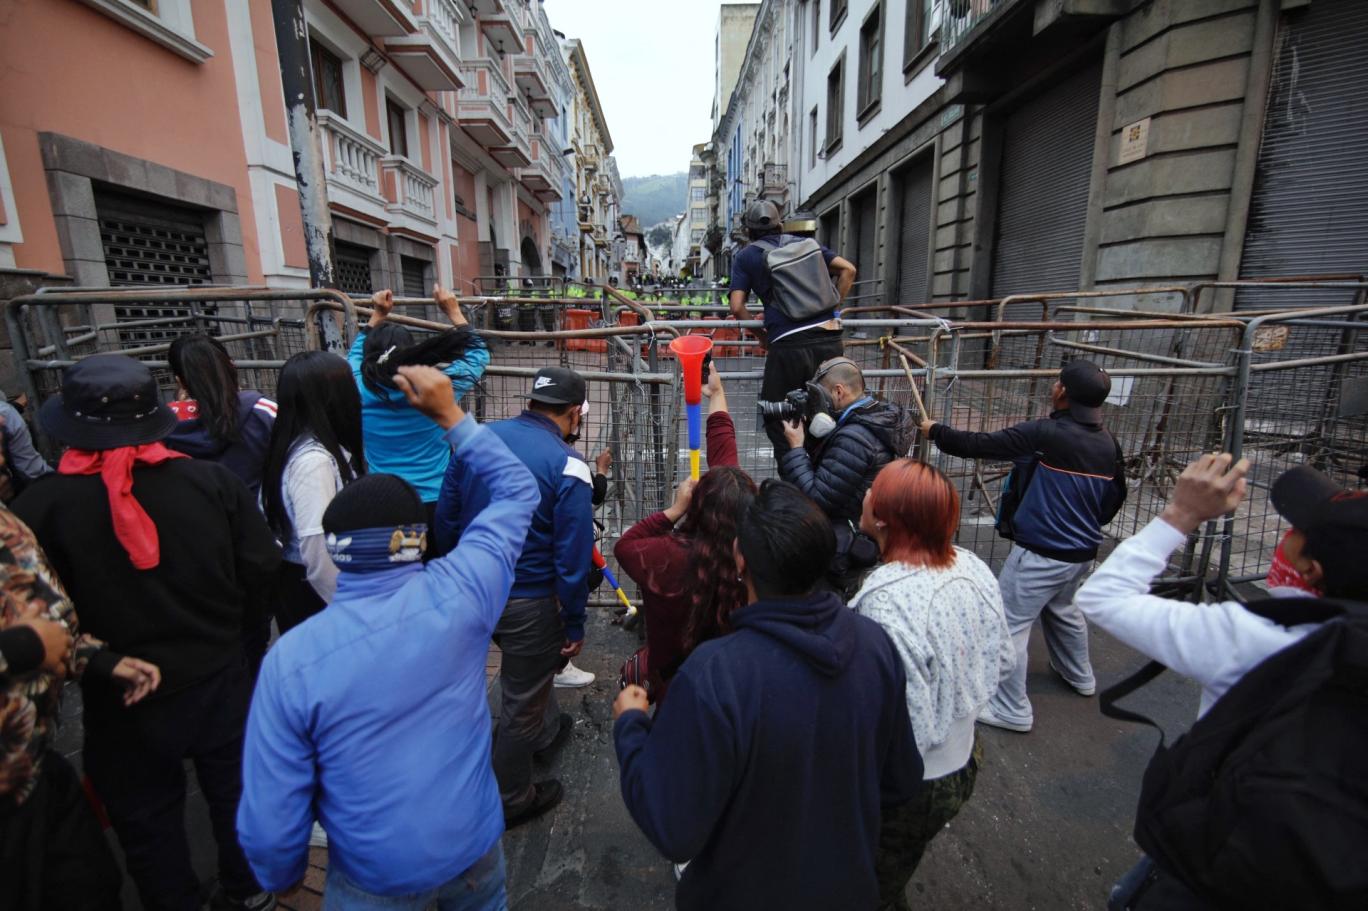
821	425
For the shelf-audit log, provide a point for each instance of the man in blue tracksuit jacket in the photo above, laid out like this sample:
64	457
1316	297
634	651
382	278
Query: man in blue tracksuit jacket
543	623
372	716
1068	482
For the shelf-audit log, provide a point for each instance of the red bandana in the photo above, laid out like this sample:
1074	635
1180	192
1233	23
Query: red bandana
132	525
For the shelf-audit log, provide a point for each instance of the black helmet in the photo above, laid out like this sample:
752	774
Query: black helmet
762	215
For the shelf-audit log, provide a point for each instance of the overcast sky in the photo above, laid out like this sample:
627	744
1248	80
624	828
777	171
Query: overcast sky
652	62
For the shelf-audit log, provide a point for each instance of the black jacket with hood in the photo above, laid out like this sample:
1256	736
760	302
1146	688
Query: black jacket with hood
838	472
769	767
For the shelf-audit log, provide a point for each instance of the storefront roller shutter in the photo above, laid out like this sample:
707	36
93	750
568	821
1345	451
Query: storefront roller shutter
413	271
864	212
914	232
1309	211
1043	190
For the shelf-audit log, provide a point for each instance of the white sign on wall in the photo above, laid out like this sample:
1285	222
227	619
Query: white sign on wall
1134	141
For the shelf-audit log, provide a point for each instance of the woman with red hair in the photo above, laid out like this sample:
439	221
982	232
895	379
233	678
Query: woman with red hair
681	557
941	607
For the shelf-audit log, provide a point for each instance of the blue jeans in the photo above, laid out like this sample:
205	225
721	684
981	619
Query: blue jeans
480	888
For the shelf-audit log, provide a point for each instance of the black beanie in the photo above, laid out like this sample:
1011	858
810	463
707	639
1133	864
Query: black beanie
374	501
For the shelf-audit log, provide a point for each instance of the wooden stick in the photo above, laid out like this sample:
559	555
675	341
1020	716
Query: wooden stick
912	381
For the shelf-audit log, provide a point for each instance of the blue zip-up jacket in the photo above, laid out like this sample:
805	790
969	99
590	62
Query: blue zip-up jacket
399	439
1074	475
782	743
373	713
557	556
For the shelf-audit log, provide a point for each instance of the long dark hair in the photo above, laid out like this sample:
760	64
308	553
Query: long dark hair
317	397
203	366
719	500
390	346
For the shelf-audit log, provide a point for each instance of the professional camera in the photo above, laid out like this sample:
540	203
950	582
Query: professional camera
794	405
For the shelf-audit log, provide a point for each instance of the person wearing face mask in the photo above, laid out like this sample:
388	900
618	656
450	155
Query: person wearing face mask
855	436
542	625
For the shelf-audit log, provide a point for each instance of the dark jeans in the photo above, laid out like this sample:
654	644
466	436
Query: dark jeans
298	600
136	759
791	362
530	635
53	856
1145	886
907	830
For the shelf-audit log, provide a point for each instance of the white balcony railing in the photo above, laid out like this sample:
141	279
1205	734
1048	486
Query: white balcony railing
444	19
414	188
353	158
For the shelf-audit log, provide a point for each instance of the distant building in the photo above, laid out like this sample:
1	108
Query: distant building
735	21
598	189
442	128
972	149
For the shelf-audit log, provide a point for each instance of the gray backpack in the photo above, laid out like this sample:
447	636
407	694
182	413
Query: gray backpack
801	283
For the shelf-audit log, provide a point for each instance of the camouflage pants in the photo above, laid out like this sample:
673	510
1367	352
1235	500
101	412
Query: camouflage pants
907	830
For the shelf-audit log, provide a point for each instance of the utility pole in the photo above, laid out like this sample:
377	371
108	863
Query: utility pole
301	119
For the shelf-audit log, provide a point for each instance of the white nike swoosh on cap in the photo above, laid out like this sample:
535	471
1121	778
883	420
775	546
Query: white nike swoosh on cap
543	381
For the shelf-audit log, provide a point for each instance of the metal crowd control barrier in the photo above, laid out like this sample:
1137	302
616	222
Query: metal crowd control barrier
1283	389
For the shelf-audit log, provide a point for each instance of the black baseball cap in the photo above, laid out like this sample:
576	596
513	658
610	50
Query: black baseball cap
1335	523
557	386
1087	386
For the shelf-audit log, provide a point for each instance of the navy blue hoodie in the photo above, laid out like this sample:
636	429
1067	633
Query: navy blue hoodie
245	457
769	767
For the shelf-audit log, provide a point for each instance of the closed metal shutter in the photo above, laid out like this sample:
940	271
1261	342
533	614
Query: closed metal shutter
864	214
914	232
1309	211
148	244
351	267
414	271
1043	193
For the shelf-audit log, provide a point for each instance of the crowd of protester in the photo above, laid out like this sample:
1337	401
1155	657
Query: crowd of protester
797	729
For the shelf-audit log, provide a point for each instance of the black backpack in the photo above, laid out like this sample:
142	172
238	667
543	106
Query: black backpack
1263	804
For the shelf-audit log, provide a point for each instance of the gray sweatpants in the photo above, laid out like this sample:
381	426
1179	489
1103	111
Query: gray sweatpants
1035	586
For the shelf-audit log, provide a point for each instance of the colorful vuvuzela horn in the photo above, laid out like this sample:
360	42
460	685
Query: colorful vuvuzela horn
691	349
602	564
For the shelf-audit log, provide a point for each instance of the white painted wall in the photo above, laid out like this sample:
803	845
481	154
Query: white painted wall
899	96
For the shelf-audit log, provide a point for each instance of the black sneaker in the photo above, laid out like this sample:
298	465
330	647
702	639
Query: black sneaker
565	724
548	794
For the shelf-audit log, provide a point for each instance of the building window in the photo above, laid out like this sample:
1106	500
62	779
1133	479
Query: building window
838	13
812	138
816	24
697	194
835	110
871	62
327	78
922	19
398	128
699	215
696	236
169	23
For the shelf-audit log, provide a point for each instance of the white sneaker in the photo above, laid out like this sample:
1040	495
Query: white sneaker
572	677
318	837
987	716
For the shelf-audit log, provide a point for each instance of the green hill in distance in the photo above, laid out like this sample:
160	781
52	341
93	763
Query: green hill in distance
656	198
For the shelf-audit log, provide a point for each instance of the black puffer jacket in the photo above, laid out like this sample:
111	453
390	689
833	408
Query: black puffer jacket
837	474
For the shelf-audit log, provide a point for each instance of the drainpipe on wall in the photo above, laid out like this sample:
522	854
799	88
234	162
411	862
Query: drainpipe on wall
296	78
